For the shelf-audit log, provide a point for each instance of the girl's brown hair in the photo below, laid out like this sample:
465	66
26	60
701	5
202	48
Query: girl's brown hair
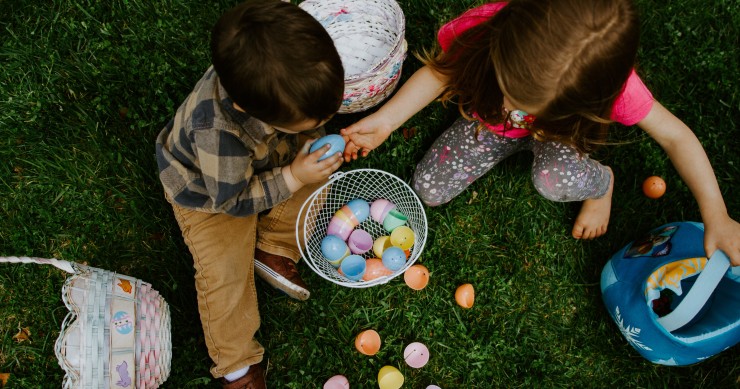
277	62
568	58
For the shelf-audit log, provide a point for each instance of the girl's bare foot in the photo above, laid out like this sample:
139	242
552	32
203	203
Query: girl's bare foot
594	216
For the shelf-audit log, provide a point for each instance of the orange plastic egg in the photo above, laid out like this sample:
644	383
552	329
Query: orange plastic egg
653	187
465	295
367	342
374	269
416	277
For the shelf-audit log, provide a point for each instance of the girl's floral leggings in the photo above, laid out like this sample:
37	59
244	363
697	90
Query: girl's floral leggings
457	158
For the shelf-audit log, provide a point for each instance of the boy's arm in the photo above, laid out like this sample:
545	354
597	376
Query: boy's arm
422	88
691	162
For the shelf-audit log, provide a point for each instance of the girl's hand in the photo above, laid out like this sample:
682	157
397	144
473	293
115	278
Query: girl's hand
724	235
364	136
307	169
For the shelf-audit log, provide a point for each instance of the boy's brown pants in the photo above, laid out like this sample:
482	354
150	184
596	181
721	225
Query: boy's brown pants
223	254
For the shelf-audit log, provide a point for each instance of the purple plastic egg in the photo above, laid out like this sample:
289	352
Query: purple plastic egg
340	228
380	208
360	208
359	241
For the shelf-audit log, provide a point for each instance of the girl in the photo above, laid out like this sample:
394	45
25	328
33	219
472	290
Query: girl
547	76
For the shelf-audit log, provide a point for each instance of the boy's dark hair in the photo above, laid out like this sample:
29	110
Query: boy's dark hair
277	62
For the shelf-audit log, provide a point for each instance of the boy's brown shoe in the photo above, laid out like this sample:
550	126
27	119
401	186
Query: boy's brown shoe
281	273
255	379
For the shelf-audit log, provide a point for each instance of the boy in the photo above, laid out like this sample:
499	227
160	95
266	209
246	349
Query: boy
235	167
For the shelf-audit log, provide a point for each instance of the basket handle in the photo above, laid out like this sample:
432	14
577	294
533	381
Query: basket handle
60	264
698	295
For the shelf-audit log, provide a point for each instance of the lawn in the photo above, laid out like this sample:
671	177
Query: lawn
85	86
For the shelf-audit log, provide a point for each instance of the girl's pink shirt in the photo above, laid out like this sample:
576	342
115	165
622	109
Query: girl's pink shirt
631	106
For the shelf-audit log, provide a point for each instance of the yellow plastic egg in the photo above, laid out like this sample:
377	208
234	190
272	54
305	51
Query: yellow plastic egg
465	295
416	277
368	342
402	237
381	244
389	378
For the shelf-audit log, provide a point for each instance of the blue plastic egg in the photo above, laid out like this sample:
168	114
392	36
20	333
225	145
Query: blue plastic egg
353	267
336	142
360	208
334	249
394	258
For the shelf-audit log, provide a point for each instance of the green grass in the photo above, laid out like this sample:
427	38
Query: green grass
85	86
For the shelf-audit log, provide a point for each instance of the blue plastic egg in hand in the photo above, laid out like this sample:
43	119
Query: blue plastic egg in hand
336	142
394	258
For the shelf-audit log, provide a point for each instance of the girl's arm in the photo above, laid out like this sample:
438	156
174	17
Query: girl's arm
691	162
421	88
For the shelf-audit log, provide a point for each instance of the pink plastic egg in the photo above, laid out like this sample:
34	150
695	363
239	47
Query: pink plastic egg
380	208
416	355
337	382
374	269
340	228
359	242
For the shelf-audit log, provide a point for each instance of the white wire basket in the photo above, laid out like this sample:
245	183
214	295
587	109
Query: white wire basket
369	36
117	332
369	185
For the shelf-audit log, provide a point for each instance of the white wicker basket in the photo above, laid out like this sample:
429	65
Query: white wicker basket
117	332
369	36
369	185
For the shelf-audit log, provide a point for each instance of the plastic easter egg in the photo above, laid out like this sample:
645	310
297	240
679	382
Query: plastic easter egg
368	342
394	258
653	187
374	268
353	267
337	382
380	245
433	387
389	378
340	228
465	295
416	277
393	220
334	249
416	355
403	237
360	208
360	241
346	215
335	141
380	208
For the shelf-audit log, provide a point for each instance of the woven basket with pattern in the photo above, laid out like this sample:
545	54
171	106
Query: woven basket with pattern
117	332
369	36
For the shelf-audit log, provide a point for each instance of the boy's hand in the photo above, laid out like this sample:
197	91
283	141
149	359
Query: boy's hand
307	169
364	136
